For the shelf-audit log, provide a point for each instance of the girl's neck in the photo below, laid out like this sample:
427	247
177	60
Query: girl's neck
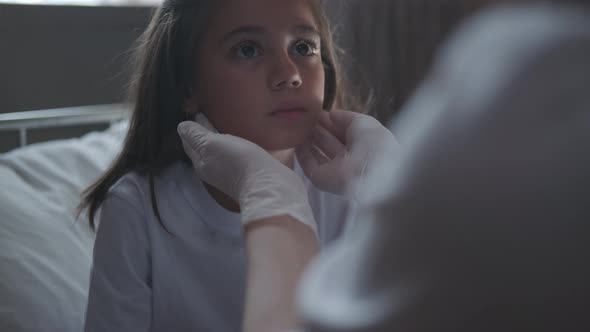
286	157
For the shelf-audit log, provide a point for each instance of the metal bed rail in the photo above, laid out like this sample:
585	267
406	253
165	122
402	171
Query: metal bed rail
61	117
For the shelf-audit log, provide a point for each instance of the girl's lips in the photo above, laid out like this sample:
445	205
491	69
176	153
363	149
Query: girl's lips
289	112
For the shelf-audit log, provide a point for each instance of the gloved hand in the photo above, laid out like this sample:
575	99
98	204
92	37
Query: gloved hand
261	185
342	150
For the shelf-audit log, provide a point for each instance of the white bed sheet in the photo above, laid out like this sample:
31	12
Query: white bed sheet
45	253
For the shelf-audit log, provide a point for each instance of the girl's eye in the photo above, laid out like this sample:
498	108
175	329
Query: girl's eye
247	50
305	47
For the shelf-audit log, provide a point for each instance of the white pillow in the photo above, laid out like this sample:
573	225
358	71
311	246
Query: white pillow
45	254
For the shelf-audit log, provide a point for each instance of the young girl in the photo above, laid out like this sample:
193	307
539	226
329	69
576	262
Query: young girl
169	252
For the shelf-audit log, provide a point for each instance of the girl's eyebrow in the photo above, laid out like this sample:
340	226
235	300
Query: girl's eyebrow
305	29
246	29
259	30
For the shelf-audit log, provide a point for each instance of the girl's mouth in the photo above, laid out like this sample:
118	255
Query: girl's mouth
289	113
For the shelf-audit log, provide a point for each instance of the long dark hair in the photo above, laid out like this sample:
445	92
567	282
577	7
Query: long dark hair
164	62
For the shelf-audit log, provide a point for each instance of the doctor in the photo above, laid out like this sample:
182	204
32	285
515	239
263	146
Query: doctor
479	222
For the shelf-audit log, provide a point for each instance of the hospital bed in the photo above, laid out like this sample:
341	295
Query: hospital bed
45	250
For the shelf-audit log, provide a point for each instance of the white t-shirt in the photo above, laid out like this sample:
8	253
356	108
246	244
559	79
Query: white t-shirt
190	277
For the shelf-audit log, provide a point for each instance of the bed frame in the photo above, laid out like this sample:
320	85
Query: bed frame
61	117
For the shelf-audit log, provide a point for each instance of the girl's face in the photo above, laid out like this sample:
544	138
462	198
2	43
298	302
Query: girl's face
260	72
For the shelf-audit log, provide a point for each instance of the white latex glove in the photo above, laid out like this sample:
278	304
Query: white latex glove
261	185
342	150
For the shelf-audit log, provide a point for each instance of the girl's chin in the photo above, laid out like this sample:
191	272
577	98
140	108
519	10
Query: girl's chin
277	140
281	145
276	143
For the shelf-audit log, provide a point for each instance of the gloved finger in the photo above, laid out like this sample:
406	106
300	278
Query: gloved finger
319	155
325	121
193	135
201	119
192	129
326	142
195	156
366	132
321	173
310	159
340	122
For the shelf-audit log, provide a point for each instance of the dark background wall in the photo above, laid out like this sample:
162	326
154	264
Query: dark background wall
57	56
62	56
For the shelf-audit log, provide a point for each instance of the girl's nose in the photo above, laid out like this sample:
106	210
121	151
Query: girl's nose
285	74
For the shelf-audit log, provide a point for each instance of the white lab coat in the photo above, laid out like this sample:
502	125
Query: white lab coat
482	223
